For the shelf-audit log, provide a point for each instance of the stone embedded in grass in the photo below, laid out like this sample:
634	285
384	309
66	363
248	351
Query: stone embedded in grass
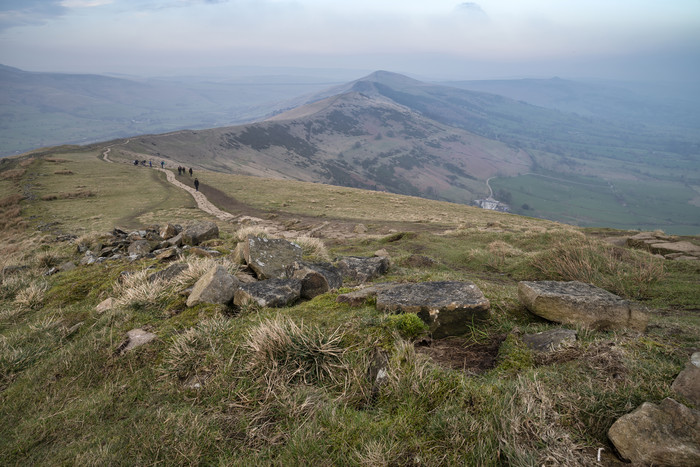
194	234
449	308
135	338
362	269
105	305
359	297
664	434
216	286
549	340
269	293
270	258
687	383
576	303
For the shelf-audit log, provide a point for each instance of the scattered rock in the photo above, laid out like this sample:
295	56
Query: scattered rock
270	258
167	254
169	231
449	308
204	252
683	248
216	286
105	305
139	248
687	383
269	293
576	303
665	434
135	338
194	234
549	340
316	278
362	269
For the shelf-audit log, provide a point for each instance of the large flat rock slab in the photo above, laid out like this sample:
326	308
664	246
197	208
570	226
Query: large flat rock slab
270	258
449	308
576	303
664	434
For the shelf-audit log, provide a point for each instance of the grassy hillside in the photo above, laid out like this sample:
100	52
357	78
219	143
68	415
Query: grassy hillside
289	386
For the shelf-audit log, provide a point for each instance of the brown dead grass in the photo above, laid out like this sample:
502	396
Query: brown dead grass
70	195
12	174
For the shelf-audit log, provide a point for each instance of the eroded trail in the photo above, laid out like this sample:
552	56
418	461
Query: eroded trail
207	206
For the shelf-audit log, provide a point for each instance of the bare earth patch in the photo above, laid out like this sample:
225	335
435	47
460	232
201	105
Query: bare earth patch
463	354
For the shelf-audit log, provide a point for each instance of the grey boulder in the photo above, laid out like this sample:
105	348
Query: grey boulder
449	308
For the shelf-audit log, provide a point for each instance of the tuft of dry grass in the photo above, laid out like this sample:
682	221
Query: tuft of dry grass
70	195
279	348
621	271
32	297
313	247
251	231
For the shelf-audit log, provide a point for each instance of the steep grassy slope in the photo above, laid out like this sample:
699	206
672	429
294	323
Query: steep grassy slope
289	386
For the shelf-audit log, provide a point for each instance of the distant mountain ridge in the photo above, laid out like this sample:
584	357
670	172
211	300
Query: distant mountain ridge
390	132
41	109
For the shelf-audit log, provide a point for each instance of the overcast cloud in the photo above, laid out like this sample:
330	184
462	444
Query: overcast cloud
438	38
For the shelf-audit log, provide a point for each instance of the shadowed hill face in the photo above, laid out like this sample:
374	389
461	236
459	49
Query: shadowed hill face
354	140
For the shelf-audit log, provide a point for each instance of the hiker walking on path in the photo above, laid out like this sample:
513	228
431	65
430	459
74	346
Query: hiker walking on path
162	164
196	184
190	171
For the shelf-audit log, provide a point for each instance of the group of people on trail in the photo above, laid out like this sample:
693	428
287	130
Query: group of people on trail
183	171
180	170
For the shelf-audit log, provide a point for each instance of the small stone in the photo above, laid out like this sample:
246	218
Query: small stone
105	305
549	340
136	338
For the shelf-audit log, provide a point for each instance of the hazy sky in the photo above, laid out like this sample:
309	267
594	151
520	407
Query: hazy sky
429	38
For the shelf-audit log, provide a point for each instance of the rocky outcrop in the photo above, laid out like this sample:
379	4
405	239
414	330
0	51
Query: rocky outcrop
449	308
269	293
359	269
316	278
665	245
196	233
687	383
216	286
667	434
550	340
576	303
270	258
